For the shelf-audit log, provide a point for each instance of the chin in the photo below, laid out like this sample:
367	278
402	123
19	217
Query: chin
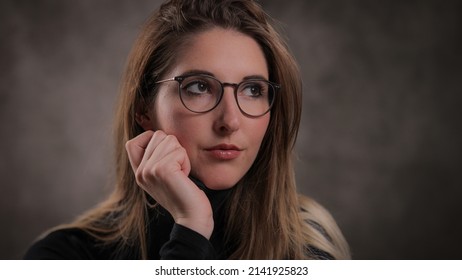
217	182
219	187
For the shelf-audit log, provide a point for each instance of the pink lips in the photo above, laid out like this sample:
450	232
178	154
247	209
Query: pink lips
224	151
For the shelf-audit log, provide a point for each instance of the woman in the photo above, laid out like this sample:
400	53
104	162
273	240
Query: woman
206	125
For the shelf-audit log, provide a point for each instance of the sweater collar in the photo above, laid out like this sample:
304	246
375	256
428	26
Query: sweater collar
217	198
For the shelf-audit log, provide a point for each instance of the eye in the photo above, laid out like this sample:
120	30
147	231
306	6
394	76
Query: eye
196	87
253	90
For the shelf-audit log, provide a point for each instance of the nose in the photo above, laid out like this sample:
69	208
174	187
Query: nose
227	113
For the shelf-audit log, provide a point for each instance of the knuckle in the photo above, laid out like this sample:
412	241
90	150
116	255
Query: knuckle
170	138
174	142
147	175
128	145
152	173
181	149
139	176
159	133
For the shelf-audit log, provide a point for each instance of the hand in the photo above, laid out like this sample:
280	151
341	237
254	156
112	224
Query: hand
161	166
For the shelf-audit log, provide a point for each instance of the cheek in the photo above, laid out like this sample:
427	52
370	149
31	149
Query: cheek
186	131
258	130
165	113
175	123
171	117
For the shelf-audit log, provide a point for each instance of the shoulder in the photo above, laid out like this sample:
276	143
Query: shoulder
65	243
322	234
315	216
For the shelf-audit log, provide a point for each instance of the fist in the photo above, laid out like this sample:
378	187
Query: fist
161	167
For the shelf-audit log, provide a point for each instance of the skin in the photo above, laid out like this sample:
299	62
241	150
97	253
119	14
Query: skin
178	142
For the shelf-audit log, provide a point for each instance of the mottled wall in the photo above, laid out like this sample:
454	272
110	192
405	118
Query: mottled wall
380	142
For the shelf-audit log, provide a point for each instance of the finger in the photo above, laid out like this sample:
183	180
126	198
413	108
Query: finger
172	156
136	148
164	176
164	145
157	137
172	183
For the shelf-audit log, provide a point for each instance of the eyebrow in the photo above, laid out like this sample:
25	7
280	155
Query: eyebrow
203	72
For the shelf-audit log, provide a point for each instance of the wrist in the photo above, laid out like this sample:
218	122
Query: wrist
202	225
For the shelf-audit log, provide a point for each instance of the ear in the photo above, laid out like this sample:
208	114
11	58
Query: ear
144	121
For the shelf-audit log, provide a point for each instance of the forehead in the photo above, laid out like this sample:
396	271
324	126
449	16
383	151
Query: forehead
228	54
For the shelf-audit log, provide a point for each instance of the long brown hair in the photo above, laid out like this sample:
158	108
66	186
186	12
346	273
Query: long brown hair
278	222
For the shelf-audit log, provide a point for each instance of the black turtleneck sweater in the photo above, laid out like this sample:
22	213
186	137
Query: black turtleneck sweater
165	239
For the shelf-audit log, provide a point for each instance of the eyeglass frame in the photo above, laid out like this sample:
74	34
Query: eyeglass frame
235	86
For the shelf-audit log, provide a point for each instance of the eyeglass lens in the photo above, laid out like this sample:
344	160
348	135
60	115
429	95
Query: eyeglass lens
202	94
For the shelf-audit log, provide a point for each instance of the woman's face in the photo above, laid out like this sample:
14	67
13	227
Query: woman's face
223	143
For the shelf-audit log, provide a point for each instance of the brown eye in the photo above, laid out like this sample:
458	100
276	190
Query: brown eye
254	90
197	88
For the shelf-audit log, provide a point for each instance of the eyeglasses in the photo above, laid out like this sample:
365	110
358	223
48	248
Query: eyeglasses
201	93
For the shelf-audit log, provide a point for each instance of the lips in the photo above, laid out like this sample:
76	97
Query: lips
224	151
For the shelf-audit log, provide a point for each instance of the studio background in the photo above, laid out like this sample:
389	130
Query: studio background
380	140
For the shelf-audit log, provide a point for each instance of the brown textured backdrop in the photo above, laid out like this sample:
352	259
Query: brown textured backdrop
380	143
